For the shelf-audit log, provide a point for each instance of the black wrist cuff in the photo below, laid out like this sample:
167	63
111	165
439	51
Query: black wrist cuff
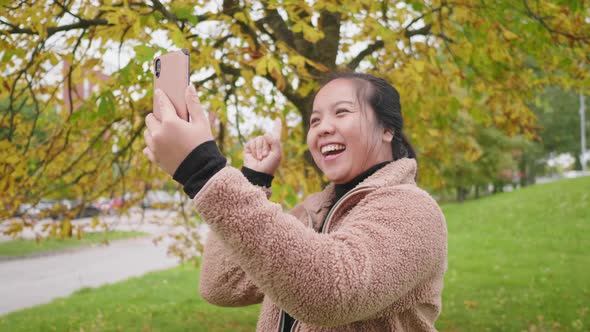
257	178
198	167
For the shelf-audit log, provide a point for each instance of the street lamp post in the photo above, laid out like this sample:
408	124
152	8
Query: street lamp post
583	131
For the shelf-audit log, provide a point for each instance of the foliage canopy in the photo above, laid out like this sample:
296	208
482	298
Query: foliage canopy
459	65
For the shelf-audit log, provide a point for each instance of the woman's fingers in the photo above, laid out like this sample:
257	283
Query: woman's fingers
265	148
262	146
150	155
194	105
152	123
167	110
258	143
259	147
271	141
148	139
248	148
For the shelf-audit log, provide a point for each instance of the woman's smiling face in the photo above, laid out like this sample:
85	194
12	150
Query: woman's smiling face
344	137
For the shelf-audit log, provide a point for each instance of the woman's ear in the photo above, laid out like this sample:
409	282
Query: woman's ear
387	135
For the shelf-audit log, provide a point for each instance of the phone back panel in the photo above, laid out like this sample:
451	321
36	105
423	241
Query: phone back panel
173	79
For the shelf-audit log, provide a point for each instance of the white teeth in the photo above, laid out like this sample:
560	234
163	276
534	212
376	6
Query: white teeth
332	147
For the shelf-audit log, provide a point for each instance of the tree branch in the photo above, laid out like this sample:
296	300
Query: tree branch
407	27
541	20
329	23
280	30
17	6
160	7
65	9
423	31
205	80
367	51
83	24
180	23
232	7
289	93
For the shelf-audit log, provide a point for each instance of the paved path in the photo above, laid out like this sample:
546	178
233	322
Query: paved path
28	282
31	281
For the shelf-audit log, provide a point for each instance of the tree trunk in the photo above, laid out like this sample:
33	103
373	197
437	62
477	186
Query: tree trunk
461	194
498	187
523	171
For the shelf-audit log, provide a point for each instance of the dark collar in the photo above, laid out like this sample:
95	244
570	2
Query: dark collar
342	189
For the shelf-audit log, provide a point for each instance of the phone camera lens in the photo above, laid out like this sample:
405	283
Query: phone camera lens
158	65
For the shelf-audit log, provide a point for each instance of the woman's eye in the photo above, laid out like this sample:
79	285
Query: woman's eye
314	120
342	110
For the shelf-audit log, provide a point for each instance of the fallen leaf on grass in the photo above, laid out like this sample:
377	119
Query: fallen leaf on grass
470	304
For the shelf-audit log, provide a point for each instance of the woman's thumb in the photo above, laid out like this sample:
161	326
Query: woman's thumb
277	129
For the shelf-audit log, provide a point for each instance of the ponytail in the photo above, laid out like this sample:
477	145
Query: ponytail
401	148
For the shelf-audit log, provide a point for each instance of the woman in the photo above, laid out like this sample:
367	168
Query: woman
368	253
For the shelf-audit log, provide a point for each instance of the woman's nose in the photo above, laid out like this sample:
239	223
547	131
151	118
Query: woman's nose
325	128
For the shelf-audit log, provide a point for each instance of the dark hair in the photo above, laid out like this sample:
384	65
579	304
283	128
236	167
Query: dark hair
384	100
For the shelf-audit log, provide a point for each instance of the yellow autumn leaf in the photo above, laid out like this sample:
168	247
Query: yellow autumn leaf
419	66
298	61
274	69
317	65
261	66
248	75
240	16
433	132
311	34
297	27
509	35
11	160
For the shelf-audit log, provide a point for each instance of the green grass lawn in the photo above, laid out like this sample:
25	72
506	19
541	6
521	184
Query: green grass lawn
517	262
159	301
28	247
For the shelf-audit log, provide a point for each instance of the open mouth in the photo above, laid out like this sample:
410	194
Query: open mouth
331	151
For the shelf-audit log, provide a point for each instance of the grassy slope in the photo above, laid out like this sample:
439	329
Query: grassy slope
517	261
27	247
159	301
520	259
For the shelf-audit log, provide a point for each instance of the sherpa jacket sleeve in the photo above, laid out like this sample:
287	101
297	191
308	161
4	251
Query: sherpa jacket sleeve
222	281
392	240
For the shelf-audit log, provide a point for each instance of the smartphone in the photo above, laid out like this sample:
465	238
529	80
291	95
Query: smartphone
171	75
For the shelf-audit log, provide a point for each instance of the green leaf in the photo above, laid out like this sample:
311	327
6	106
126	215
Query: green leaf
7	55
106	104
144	53
186	13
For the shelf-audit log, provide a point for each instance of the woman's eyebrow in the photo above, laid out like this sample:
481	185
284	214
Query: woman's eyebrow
342	102
336	104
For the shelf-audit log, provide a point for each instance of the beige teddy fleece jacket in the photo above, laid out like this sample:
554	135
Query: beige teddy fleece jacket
377	265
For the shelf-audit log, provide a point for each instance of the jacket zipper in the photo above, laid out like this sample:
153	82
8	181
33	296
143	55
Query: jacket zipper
282	321
338	204
323	230
282	312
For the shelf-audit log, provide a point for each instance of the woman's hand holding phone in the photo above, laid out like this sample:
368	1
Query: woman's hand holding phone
264	153
170	139
171	75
